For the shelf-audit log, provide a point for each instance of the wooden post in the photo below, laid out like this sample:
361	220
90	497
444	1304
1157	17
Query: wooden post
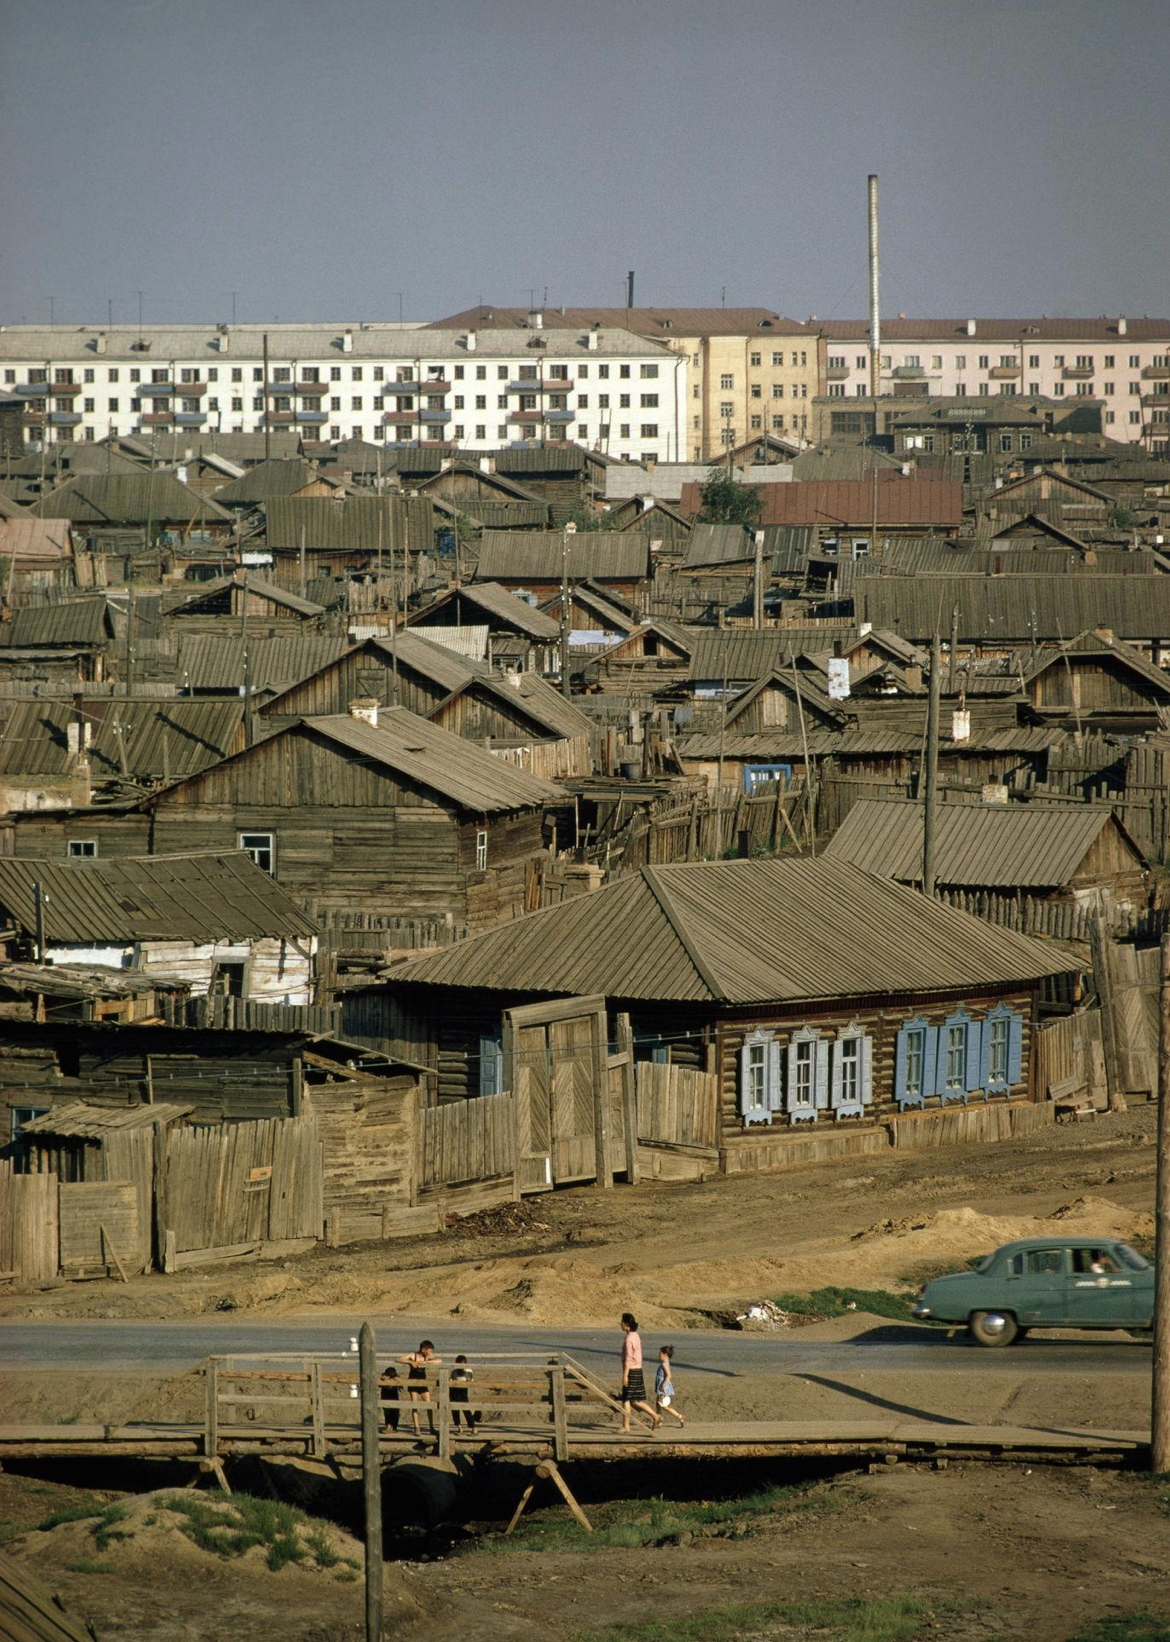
371	1481
1099	948
512	1081
629	1098
1160	1428
930	783
598	1047
211	1408
560	1422
39	920
170	1261
443	1413
317	1410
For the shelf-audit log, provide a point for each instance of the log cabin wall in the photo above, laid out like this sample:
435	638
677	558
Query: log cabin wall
368	673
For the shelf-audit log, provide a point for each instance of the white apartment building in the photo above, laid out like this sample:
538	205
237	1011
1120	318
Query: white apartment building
602	387
1123	362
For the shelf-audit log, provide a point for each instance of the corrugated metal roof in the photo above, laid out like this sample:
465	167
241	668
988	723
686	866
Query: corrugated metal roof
743	653
348	523
993	846
155	738
657	322
129	499
77	621
985	557
918	503
277	594
515	515
1016	609
411	746
618	555
740	932
212	895
278	477
80	1121
718	544
215	661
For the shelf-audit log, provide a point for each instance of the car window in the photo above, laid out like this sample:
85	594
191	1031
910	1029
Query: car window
1044	1262
1094	1259
1131	1257
986	1263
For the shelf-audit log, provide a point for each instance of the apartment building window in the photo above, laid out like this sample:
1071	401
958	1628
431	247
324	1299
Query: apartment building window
727	436
936	362
527	431
726	408
1108	389
309	373
862	390
481	401
480	430
1034	388
458	401
1135	387
213	404
559	373
257	373
458	431
1109	417
191	406
803	390
623	430
696	392
402	433
603	401
88	404
113	374
777	390
756	391
582	430
603	370
135	374
1007	390
237	373
1084	390
984	361
1084	361
1109	361
794	358
87	376
136	406
582	370
756	424
502	402
803	357
501	432
1058	359
502	371
777	357
355	373
623	370
649	401
860	362
726	381
459	373
583	401
335	403
258	402
65	375
913	359
624	401
1135	416
334	431
1025	441
1134	361
648	372
379	373
649	430
698	422
1058	389
836	390
984	389
960	361
335	373
112	404
778	423
836	362
237	404
960	390
1034	361
1005	441
481	373
754	358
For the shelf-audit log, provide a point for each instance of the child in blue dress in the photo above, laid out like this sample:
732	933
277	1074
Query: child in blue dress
664	1385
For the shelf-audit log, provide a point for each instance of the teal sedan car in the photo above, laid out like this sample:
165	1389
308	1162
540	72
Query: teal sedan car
1044	1282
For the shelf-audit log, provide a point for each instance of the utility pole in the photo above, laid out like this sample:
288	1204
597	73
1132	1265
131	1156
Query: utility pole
930	783
566	542
1160	1425
267	419
758	581
371	1480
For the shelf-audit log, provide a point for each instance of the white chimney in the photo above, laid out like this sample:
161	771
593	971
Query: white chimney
365	708
591	341
485	464
1122	326
100	343
470	341
536	320
347	342
970	327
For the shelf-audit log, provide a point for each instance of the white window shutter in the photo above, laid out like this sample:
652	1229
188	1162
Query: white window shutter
822	1073
866	1070
775	1078
837	1078
744	1083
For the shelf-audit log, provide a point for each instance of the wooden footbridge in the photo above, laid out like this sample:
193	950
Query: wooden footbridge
545	1408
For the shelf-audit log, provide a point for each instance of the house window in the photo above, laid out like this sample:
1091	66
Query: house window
755	359
852	1072
1002	1057
777	357
649	371
261	846
481	841
21	1116
997	1051
914	1058
649	430
759	1077
491	1063
808	1075
726	381
956	1065
649	401
81	848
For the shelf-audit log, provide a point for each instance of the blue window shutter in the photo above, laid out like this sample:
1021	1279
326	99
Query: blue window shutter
932	1078
490	1068
821	1077
866	1070
900	1064
976	1065
1015	1050
775	1078
836	1079
985	1054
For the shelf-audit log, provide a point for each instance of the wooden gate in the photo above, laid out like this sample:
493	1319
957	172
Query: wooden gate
556	1060
28	1225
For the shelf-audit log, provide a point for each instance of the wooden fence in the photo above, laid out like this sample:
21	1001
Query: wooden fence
248	1015
245	1183
467	1140
1070	1061
711	828
677	1106
100	1227
28	1224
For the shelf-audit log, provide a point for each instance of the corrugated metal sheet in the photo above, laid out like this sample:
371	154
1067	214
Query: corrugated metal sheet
76	622
215	661
154	738
741	932
433	758
1017	609
718	544
213	895
278	477
129	499
349	523
985	556
780	744
742	654
993	846
514	515
617	555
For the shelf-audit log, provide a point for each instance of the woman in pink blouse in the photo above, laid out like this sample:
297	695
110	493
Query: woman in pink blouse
633	1383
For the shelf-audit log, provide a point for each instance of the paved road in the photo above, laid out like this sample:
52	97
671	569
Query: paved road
898	1348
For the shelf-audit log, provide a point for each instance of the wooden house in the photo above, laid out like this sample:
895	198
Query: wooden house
537	561
36	552
213	919
666	527
271	611
56	644
467	485
385	813
280	476
521	636
1096	682
153	504
799	995
1075	854
566	475
345	535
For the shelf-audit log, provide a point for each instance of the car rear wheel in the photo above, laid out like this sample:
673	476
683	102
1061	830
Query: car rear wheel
992	1328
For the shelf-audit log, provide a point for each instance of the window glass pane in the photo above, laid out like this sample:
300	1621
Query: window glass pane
850	1068
915	1054
1044	1262
997	1050
956	1057
804	1074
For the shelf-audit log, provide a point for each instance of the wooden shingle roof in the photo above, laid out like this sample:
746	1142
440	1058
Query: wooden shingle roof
616	555
740	932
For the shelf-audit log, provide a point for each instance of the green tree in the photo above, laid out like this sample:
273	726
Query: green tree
726	503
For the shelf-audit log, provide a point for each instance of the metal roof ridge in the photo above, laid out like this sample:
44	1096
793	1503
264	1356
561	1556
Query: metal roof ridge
676	922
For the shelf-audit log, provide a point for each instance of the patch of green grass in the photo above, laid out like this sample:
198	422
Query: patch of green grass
346	1575
838	1302
230	1524
323	1553
77	1505
70	1513
90	1565
634	1524
104	1531
1131	1627
839	1619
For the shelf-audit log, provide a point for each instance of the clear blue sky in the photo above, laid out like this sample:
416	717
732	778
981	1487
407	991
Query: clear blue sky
320	156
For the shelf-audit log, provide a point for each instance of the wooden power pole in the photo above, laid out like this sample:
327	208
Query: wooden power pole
1160	1429
371	1481
930	781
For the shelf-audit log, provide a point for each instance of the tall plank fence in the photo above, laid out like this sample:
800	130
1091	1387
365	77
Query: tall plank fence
676	1105
245	1183
467	1140
28	1224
